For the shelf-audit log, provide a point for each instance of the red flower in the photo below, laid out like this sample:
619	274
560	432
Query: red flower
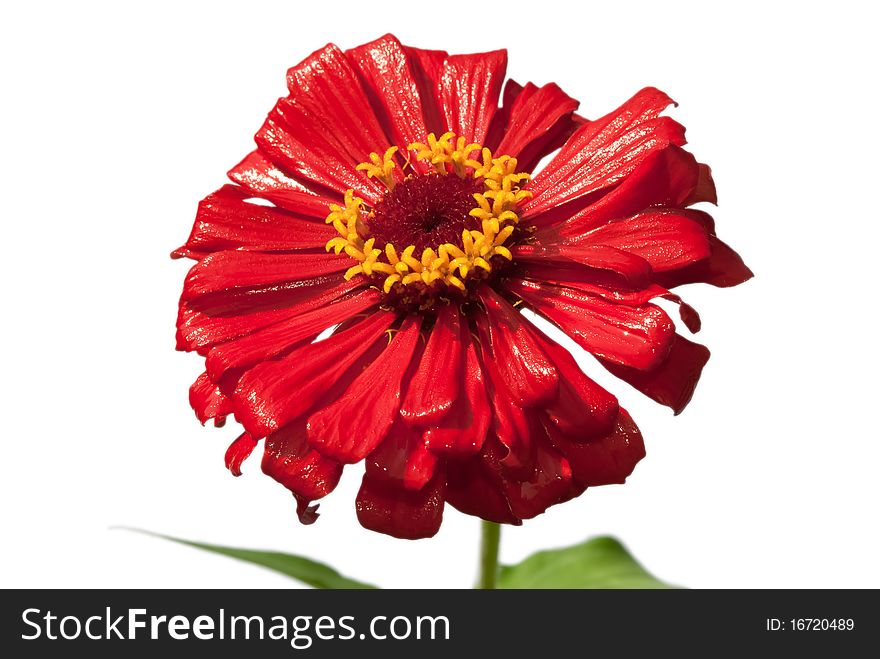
404	215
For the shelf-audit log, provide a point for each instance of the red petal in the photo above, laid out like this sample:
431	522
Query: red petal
402	458
262	178
666	239
525	372
401	513
230	270
607	460
468	89
603	152
205	323
582	409
635	336
510	422
290	460
593	264
238	452
427	67
326	126
664	178
463	429
476	489
391	86
538	118
551	483
433	386
673	381
354	424
274	393
723	268
225	221
281	337
208	402
705	188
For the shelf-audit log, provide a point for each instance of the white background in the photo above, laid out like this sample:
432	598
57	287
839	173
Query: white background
118	118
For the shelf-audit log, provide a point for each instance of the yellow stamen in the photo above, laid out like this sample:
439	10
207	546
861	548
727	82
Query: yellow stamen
447	264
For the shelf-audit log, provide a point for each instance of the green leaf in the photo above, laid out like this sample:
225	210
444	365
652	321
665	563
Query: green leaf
312	573
597	563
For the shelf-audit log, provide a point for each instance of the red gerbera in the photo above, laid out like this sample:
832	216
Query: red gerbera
405	215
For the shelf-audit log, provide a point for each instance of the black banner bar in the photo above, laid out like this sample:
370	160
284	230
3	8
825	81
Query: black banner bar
314	623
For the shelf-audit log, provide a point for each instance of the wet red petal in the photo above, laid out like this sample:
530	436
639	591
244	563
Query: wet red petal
205	323
290	460
635	336
238	452
433	386
603	152
230	270
407	514
391	86
601	265
672	382
468	89
262	178
463	429
325	126
353	425
274	393
225	221
523	368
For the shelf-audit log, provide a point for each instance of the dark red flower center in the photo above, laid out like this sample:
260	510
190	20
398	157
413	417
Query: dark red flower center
425	211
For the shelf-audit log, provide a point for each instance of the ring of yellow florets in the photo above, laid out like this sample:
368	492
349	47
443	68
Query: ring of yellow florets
446	265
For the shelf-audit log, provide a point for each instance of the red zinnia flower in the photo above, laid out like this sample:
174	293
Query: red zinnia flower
405	214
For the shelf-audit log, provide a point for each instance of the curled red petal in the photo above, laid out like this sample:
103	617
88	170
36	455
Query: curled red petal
549	484
667	239
208	402
602	265
406	514
402	458
290	460
238	452
582	409
664	178
635	336
602	152
672	382
475	488
354	424
723	268
523	368
606	460
274	393
434	383
463	429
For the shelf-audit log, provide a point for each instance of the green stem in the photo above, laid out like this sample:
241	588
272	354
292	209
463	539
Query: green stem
489	543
